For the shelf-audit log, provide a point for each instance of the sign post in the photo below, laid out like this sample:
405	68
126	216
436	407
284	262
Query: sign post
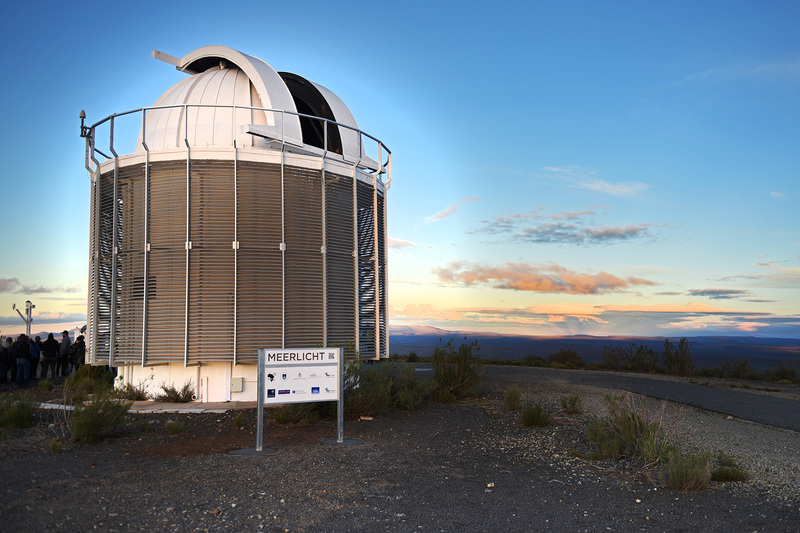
301	375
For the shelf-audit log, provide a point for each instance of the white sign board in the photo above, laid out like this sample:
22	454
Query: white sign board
298	375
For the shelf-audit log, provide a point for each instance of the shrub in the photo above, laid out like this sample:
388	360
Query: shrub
738	368
367	391
784	373
45	385
533	360
568	358
409	391
87	380
174	427
294	413
640	358
412	357
678	362
55	445
687	473
612	357
458	372
571	404
134	393
16	412
173	395
535	416
94	421
631	431
238	420
513	398
727	474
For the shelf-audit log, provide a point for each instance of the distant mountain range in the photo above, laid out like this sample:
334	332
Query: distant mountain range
710	350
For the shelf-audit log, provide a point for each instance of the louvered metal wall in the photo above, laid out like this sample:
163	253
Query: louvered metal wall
213	284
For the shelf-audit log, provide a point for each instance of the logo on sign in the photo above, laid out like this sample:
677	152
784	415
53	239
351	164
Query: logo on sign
330	391
314	390
284	376
330	374
271	377
270	393
284	391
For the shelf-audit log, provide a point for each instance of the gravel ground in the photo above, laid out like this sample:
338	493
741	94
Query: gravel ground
464	467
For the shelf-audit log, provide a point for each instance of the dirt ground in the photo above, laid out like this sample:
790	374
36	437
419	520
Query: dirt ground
470	466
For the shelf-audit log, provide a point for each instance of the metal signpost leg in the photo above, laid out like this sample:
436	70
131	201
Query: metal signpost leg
340	401
260	402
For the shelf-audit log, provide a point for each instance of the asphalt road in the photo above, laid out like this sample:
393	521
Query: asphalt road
751	406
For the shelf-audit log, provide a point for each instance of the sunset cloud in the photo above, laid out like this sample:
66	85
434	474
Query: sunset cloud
622	188
452	209
549	278
398	244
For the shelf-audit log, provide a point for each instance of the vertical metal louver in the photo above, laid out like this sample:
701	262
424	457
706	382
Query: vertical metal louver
341	277
366	270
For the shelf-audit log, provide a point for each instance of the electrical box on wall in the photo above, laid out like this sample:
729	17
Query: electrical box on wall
237	384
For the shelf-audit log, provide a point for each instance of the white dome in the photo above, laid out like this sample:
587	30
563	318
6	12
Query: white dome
223	78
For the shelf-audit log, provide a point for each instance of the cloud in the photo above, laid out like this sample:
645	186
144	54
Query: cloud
776	194
719	294
44	318
452	209
566	227
622	188
398	244
775	71
549	278
13	285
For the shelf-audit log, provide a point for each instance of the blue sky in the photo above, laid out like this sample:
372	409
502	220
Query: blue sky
566	167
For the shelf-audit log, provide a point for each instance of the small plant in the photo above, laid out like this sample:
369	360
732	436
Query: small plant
16	412
513	398
174	427
728	470
293	413
238	420
687	473
94	421
412	357
45	385
88	380
458	372
535	416
568	358
134	393
55	445
727	474
173	395
409	392
572	404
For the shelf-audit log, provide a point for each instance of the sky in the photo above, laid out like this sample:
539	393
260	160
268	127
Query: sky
559	168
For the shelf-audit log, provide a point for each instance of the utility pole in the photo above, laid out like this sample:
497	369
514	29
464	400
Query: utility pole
27	316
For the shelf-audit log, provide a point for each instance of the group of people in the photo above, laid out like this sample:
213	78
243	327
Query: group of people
21	359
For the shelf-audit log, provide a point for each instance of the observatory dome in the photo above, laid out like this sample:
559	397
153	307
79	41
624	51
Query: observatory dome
233	96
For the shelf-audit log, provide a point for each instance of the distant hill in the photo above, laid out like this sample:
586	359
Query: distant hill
710	350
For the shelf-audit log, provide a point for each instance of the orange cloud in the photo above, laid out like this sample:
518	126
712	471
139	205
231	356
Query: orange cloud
551	278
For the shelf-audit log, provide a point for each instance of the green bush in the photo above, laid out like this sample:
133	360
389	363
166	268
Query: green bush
238	420
535	416
680	361
94	421
45	385
88	380
630	431
172	395
784	373
687	473
297	413
568	358
134	393
727	474
412	357
533	360
367	391
513	398
174	427
409	391
458	372
738	368
572	404
55	445
16	412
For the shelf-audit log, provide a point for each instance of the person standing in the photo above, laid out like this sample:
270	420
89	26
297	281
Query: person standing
50	349
63	354
35	355
23	360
